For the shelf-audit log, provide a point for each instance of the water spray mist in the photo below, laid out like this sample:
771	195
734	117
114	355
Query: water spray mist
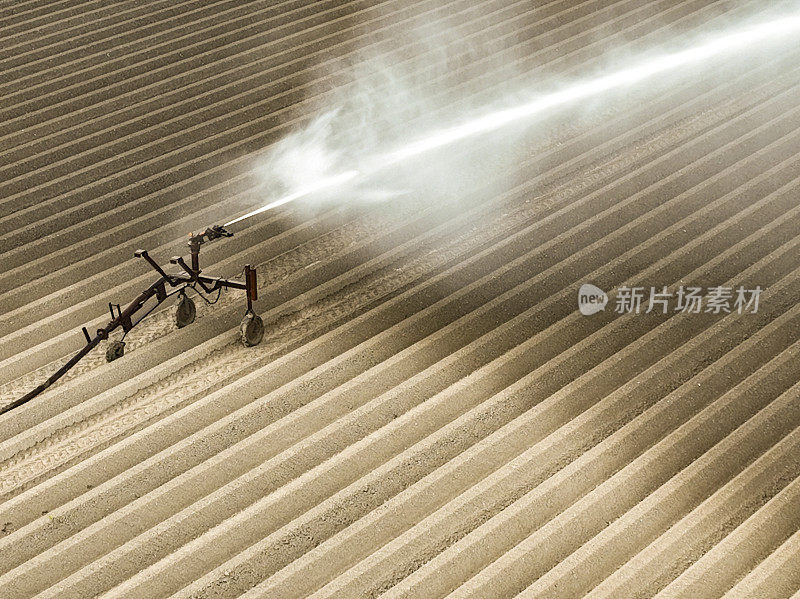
493	121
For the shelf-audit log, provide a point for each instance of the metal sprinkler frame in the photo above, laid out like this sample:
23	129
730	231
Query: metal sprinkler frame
251	329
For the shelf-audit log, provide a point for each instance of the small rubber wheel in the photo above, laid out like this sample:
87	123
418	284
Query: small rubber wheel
185	312
116	349
251	329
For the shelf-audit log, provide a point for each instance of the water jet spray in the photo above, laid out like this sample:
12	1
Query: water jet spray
498	119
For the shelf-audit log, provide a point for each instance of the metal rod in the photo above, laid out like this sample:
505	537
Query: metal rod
154	264
251	286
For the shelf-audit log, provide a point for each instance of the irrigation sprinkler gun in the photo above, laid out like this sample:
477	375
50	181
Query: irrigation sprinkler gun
251	329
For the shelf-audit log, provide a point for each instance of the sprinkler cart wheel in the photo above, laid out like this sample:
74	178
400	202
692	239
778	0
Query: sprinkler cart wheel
251	329
116	349
185	311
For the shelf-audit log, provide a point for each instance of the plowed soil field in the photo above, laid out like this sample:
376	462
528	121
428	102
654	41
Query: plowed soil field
429	414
